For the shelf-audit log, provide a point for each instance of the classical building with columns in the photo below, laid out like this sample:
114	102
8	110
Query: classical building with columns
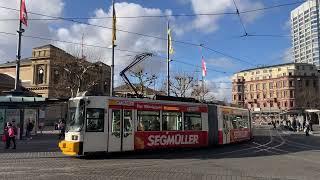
45	72
52	73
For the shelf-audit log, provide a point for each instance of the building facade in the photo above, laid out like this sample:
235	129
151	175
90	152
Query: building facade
306	33
53	73
277	88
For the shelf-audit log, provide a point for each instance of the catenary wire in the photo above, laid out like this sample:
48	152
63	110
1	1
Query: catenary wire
104	47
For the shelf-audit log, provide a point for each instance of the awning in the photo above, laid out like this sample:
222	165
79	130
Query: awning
312	110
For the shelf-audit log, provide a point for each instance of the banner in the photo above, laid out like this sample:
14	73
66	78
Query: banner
2	121
170	139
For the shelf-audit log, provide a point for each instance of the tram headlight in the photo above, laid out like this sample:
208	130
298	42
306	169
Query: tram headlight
74	137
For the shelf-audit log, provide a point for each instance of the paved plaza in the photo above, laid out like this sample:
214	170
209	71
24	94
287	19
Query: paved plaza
271	155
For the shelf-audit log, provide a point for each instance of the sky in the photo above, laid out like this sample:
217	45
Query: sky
222	33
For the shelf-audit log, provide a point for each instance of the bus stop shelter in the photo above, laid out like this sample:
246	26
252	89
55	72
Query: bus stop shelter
20	110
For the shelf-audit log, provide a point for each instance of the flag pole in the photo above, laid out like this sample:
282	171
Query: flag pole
20	31
112	57
168	59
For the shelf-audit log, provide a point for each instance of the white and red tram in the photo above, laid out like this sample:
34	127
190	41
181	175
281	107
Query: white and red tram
109	124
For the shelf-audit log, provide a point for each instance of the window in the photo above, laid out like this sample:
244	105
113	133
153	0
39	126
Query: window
271	85
192	121
307	83
315	84
116	119
171	121
290	83
95	120
251	87
257	86
264	86
291	94
148	121
127	122
40	75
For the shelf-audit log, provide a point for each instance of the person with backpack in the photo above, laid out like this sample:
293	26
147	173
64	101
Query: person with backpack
12	136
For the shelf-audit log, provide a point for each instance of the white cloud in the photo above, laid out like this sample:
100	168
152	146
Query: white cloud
125	41
221	62
220	88
210	24
37	28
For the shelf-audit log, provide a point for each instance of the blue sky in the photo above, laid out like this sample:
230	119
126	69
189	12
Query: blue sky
220	33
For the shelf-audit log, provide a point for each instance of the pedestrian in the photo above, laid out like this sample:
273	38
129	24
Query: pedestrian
41	127
307	127
62	129
29	129
12	136
274	124
5	137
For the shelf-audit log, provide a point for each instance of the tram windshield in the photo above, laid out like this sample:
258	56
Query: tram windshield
75	115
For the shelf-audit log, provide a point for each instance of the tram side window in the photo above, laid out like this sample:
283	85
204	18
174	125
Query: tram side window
95	120
192	121
171	121
116	117
148	120
244	122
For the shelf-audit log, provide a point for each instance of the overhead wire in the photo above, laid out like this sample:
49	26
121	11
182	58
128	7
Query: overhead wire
163	16
160	38
240	19
104	47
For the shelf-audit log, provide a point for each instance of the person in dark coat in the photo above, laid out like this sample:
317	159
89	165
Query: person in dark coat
29	129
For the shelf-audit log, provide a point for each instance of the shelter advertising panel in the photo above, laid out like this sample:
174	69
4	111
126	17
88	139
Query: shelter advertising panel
2	116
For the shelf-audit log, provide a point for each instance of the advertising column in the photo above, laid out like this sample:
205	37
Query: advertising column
2	116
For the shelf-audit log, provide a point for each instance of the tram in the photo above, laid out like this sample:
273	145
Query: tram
111	124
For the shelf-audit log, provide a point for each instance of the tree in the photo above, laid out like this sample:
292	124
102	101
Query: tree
78	74
182	84
200	92
143	79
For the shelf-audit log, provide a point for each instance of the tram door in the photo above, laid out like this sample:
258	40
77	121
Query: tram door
121	135
226	129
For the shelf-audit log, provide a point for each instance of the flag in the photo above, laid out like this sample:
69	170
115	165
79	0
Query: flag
23	13
204	68
171	51
114	22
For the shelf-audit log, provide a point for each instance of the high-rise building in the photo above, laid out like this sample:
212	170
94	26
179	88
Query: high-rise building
306	33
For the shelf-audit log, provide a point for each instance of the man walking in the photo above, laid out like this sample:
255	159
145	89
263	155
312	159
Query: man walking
29	129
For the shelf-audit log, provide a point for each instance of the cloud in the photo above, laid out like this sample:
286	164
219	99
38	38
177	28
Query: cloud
208	24
220	88
221	62
287	55
125	41
37	28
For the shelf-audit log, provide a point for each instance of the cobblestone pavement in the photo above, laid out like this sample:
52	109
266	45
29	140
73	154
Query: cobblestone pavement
271	155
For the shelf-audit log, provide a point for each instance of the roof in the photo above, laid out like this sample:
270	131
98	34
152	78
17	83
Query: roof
276	65
24	61
6	79
47	46
127	88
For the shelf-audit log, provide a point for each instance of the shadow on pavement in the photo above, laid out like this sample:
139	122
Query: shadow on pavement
287	144
38	143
